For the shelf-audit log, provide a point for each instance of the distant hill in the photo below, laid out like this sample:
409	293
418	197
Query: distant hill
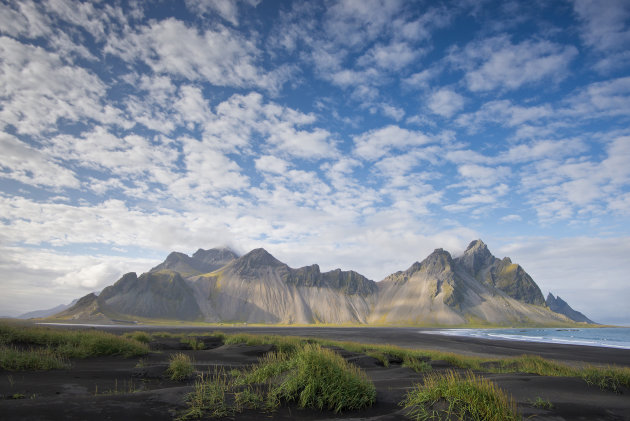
558	305
218	286
38	314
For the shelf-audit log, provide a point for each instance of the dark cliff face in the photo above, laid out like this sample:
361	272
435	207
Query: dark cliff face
348	282
558	305
501	274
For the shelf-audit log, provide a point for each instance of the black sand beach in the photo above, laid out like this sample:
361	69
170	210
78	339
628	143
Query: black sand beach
115	388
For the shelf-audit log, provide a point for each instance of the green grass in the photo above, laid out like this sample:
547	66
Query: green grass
193	343
180	367
209	397
416	364
71	343
469	397
319	378
14	359
608	378
542	403
139	336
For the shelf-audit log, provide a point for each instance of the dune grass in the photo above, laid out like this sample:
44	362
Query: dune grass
14	359
71	343
305	374
444	395
610	378
180	367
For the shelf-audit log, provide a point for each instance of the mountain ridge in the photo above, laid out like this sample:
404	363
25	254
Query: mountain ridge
476	287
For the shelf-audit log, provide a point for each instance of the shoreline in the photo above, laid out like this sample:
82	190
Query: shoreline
410	337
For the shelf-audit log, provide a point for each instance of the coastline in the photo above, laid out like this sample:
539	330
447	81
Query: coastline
411	337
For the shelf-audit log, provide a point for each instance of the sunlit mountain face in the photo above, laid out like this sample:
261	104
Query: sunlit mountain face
356	134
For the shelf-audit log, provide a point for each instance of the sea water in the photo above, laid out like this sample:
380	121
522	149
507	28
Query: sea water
604	336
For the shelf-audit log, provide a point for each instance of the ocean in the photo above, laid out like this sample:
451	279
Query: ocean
606	337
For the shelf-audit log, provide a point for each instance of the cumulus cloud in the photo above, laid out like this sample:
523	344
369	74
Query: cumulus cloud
445	102
376	143
38	90
227	9
222	57
28	165
497	63
605	23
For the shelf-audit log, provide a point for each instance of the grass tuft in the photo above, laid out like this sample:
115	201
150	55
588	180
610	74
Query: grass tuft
608	378
542	403
14	359
180	367
469	397
208	397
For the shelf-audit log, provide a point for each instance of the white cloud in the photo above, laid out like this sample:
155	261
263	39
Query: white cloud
374	144
505	113
601	99
512	218
30	166
38	90
605	23
268	163
221	57
496	63
394	56
445	102
479	175
227	9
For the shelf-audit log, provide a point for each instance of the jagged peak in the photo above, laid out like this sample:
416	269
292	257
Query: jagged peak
260	256
221	249
477	247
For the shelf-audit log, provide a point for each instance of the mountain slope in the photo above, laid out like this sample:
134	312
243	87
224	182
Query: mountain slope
502	274
558	305
259	288
440	291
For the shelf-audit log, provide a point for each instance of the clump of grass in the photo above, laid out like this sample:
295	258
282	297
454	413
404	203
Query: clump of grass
194	343
208	397
380	356
318	378
467	397
180	367
416	364
535	365
608	378
139	336
542	403
13	359
71	343
249	398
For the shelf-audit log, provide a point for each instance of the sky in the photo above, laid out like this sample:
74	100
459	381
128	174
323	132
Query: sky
353	134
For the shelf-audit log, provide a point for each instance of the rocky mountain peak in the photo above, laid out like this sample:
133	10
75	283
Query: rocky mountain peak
476	257
558	305
261	257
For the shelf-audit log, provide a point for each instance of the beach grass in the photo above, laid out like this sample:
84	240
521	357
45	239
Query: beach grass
180	367
444	395
13	359
63	344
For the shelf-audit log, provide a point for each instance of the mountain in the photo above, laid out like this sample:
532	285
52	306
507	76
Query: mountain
217	286
258	288
38	314
202	261
441	290
558	305
501	274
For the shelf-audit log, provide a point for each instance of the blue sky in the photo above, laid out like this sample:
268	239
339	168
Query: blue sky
353	134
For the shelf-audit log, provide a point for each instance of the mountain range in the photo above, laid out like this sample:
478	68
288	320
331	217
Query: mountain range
217	285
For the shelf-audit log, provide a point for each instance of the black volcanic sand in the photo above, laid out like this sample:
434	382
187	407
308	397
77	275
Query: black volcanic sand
115	388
